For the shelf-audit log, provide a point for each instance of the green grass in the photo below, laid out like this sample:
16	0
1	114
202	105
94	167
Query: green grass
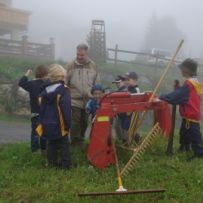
14	118
13	69
25	178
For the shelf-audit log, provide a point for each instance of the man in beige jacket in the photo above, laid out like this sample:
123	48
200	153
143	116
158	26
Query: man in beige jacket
81	76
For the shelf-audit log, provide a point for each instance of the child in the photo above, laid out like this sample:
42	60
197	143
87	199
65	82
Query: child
120	82
189	100
55	117
34	87
131	80
121	119
93	104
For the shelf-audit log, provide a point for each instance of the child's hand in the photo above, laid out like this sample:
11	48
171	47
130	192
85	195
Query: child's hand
29	71
129	113
155	99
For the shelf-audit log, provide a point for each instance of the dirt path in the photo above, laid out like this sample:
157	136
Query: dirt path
12	132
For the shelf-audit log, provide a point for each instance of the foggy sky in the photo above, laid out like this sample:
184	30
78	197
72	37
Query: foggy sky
68	21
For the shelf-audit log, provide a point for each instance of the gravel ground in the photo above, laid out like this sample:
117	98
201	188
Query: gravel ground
14	132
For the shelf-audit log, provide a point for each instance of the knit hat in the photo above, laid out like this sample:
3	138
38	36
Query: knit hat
56	73
97	87
131	75
119	78
189	66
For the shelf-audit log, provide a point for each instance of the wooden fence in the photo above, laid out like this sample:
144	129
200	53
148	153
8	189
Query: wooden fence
139	57
27	50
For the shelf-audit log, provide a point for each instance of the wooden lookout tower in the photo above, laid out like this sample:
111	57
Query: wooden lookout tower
97	41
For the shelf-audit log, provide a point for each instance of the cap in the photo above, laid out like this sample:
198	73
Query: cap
119	78
97	87
132	75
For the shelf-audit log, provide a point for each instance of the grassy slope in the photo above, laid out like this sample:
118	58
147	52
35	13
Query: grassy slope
12	69
24	177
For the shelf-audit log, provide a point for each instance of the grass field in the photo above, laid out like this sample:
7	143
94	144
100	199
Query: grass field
25	178
14	118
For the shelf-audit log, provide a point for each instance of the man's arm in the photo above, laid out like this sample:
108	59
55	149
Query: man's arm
179	96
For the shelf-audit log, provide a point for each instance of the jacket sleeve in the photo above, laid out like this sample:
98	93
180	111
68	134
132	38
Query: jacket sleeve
65	105
24	83
179	96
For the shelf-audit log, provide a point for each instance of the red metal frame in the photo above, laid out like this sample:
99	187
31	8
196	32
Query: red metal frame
100	151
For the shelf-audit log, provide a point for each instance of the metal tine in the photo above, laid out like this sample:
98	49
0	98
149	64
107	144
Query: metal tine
137	154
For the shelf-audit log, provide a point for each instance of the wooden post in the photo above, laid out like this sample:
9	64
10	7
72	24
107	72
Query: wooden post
169	149
116	55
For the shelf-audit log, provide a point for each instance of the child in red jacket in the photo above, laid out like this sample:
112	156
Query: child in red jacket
188	97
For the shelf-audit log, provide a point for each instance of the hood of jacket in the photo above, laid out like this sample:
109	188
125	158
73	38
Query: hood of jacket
51	91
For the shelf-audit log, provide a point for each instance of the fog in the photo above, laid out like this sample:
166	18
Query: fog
127	21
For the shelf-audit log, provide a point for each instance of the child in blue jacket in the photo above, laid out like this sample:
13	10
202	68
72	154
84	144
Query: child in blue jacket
34	87
55	118
92	105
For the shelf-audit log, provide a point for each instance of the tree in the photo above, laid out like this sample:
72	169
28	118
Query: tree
162	33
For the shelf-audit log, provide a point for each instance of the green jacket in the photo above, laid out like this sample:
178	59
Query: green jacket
80	79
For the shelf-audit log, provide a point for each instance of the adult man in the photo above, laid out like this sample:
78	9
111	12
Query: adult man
81	76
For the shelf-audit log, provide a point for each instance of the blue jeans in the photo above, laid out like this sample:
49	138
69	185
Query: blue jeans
36	142
191	135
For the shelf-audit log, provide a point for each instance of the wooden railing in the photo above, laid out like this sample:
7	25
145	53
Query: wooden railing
27	50
139	57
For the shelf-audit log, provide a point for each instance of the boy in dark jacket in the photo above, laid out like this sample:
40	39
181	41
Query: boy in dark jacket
55	117
133	88
34	87
131	78
188	97
121	120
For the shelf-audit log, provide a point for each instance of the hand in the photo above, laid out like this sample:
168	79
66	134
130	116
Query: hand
29	71
155	99
129	113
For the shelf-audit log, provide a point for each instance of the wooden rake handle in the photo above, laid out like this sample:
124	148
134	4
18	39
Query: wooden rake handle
169	65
